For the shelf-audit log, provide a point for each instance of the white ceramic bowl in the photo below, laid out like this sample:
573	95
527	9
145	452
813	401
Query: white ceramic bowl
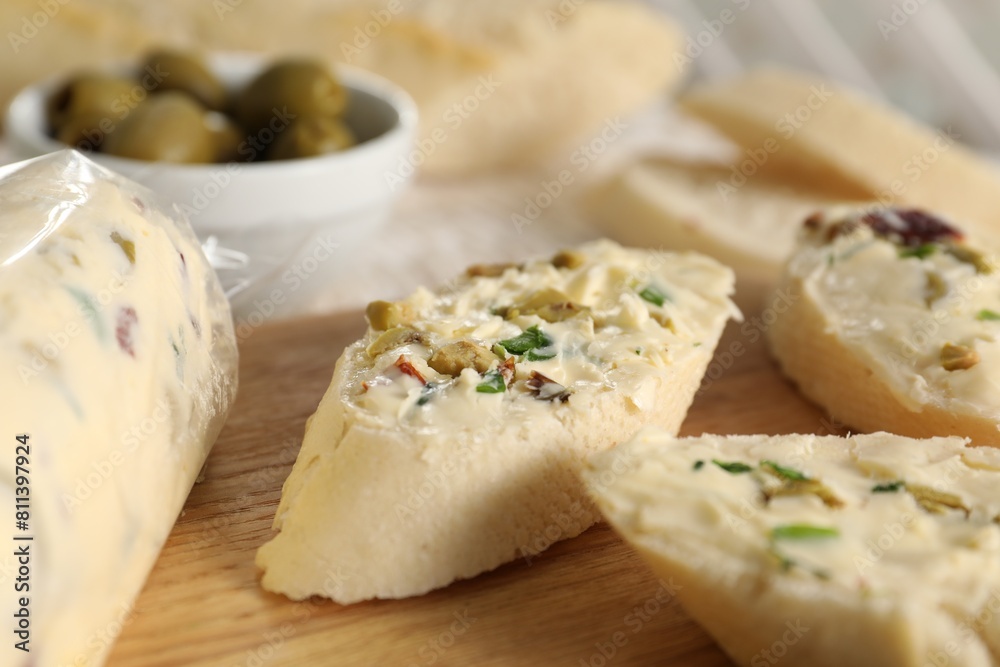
286	225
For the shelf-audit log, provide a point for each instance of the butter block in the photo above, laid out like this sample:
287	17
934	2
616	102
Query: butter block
119	365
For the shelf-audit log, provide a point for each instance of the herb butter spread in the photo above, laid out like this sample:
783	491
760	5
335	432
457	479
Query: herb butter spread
119	367
891	324
911	298
879	549
543	332
461	415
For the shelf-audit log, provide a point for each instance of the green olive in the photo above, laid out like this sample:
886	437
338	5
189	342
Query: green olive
85	132
90	94
171	70
311	136
169	127
287	90
384	315
453	358
226	135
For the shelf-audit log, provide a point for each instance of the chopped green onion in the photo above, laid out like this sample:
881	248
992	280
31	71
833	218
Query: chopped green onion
492	383
541	354
784	561
891	487
653	295
427	392
698	465
920	252
987	315
532	338
803	531
734	467
782	471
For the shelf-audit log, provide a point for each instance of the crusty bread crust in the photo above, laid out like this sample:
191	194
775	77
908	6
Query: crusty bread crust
831	142
719	592
831	375
404	515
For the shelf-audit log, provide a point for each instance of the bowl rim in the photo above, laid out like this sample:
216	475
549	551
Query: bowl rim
25	130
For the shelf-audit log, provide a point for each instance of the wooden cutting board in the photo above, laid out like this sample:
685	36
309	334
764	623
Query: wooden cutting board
585	602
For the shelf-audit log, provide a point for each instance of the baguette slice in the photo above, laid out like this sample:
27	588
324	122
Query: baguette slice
440	452
809	127
894	324
696	206
610	58
870	550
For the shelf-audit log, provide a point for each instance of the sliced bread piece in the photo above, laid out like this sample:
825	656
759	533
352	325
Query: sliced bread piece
894	324
749	224
451	437
809	127
820	551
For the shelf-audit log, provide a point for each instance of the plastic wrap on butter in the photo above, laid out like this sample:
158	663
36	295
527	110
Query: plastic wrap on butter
119	367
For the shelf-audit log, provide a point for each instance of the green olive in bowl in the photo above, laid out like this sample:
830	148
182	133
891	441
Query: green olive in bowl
310	136
227	137
85	132
294	88
168	127
100	95
170	70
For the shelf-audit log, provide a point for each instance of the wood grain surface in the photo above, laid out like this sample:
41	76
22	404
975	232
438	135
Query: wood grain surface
587	601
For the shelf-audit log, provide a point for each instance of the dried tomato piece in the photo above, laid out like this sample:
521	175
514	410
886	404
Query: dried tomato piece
910	227
404	365
123	329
